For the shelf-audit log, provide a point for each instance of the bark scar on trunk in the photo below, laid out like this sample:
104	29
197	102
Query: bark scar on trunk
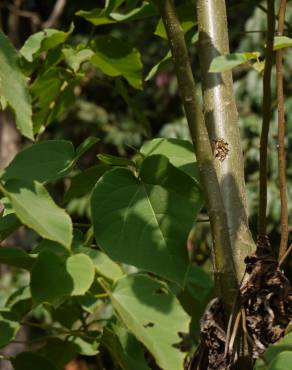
221	149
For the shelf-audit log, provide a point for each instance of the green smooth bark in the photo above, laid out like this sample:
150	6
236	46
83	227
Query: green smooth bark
221	118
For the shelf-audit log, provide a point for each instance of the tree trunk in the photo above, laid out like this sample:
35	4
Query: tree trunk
221	118
224	268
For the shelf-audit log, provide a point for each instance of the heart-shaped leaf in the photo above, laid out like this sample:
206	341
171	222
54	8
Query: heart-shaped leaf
145	221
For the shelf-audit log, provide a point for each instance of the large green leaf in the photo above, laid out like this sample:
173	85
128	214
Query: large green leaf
13	87
145	221
44	161
37	210
32	361
53	278
180	153
117	58
153	315
276	355
42	41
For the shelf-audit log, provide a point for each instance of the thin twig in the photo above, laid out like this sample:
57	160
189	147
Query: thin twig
234	331
284	257
281	136
267	102
236	307
228	334
57	11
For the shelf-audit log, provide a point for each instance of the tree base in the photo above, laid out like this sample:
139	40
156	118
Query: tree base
262	312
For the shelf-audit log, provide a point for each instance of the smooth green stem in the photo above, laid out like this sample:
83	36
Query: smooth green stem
281	137
221	118
222	257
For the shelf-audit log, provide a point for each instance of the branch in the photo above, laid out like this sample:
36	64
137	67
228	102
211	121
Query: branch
267	103
222	122
222	255
34	17
281	137
57	11
285	255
